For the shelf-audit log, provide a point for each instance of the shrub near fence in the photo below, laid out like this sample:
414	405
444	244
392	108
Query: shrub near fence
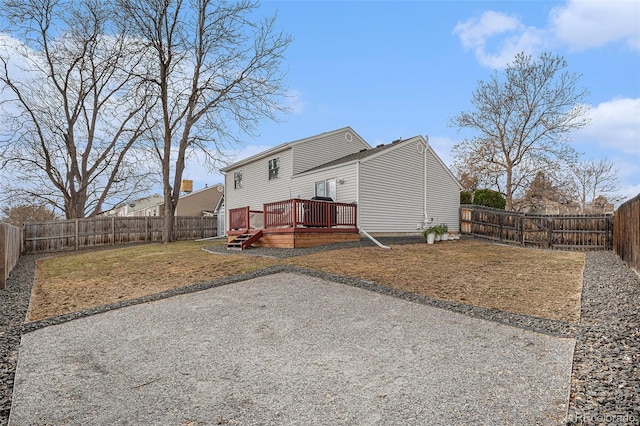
10	248
626	233
74	234
564	232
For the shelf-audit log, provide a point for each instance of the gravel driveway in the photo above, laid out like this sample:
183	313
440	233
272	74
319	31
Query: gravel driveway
605	381
289	348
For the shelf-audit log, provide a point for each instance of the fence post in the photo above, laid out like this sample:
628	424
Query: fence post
77	233
294	213
147	235
3	256
549	233
113	230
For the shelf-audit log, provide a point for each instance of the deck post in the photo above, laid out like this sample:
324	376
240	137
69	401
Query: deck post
294	213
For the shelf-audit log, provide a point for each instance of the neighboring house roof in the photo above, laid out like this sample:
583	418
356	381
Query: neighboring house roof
285	146
143	203
201	200
219	187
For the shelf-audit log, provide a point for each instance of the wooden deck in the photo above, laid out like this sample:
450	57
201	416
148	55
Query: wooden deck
296	223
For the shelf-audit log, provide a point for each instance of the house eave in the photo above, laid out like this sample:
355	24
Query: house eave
287	145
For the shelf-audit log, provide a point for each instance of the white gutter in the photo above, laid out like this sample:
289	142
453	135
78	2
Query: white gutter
358	217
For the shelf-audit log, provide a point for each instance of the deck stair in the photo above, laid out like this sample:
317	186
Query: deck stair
244	241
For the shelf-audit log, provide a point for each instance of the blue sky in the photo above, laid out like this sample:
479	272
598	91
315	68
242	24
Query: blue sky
398	69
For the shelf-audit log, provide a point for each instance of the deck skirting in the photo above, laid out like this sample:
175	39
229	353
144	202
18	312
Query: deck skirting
301	237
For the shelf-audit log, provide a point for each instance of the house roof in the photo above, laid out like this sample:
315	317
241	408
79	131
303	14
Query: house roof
283	147
380	150
364	153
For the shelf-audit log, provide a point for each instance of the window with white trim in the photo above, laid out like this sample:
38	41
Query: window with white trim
274	168
320	189
326	188
237	180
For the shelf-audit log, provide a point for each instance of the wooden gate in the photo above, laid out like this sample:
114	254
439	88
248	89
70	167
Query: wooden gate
563	232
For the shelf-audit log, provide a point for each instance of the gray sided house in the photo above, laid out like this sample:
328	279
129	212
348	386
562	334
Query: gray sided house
386	182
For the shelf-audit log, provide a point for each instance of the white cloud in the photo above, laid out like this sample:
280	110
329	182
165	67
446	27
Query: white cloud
21	64
614	134
514	37
475	31
614	125
497	37
585	24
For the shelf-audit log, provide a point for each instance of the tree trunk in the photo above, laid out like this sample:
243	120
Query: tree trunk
509	190
167	229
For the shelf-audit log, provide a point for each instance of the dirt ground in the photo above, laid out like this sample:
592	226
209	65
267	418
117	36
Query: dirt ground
535	282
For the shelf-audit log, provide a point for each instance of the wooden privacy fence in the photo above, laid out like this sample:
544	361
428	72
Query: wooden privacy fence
74	234
626	233
10	248
559	232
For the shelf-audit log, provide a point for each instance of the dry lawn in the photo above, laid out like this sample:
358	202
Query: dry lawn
541	283
70	282
534	282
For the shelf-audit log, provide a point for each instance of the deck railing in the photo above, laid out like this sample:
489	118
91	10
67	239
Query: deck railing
245	218
309	213
295	213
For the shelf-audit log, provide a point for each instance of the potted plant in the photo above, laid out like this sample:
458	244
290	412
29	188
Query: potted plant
429	234
445	232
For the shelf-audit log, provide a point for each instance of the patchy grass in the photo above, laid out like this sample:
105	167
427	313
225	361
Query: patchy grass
534	282
70	282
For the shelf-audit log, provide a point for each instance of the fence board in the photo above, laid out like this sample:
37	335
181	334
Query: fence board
626	233
10	248
559	232
74	234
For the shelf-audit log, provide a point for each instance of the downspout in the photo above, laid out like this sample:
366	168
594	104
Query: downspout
358	218
422	148
226	200
378	243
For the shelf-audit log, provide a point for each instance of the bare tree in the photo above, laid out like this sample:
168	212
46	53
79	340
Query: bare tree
522	119
542	190
74	110
19	214
595	180
216	74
